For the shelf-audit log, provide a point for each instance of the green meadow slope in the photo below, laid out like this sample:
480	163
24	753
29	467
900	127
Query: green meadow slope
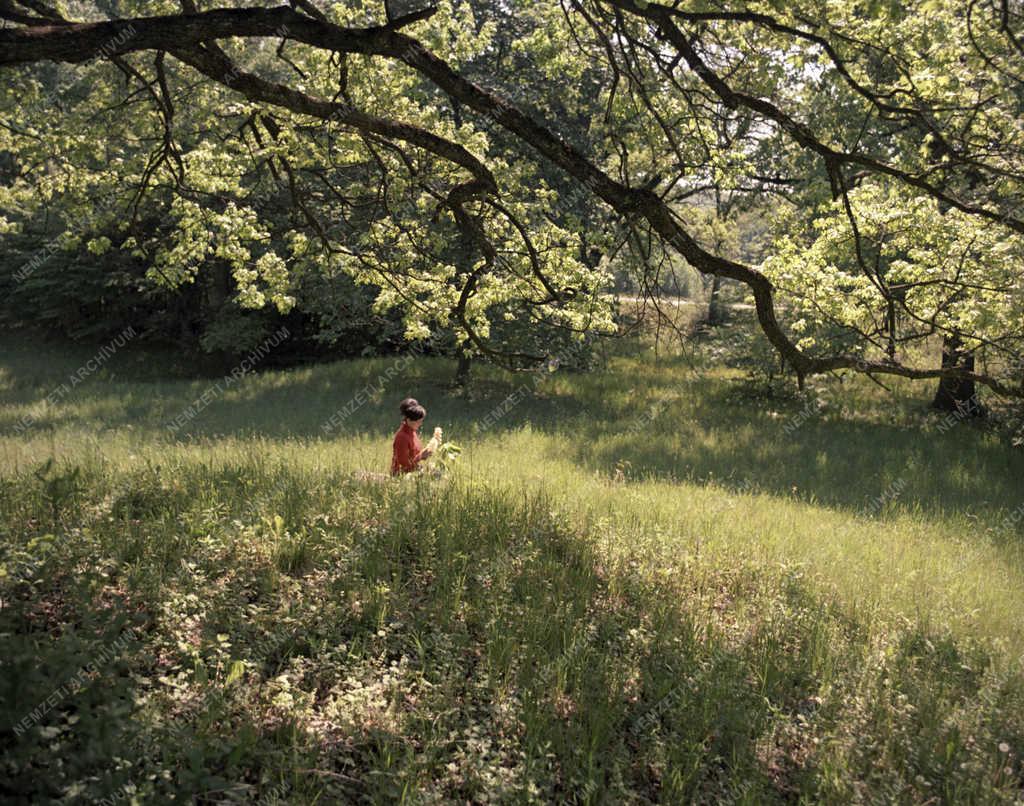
633	586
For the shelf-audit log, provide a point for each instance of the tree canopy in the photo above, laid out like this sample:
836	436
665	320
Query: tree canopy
485	163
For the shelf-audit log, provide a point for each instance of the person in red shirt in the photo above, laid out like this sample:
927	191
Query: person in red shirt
407	451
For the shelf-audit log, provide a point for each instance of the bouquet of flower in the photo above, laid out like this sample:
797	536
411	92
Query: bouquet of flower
442	454
435	441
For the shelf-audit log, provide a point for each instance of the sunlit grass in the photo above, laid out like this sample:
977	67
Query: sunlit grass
807	585
705	473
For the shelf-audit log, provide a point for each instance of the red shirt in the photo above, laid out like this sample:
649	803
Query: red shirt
405	451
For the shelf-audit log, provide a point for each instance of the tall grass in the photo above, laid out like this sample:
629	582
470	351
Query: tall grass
636	586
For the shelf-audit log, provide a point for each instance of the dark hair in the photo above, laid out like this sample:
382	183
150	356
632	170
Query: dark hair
411	409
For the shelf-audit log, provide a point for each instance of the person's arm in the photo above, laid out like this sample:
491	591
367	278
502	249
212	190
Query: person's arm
405	455
412	453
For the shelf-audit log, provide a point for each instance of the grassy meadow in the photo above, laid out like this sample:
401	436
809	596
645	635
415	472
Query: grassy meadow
635	585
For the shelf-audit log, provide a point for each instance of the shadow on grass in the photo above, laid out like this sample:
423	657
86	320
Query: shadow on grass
865	467
649	421
425	640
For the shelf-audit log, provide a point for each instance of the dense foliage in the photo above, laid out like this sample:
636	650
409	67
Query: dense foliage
474	165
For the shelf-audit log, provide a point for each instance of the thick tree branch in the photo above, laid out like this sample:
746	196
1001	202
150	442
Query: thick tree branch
801	133
184	34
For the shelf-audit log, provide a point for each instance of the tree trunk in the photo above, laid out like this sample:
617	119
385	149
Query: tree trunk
954	394
715	314
463	369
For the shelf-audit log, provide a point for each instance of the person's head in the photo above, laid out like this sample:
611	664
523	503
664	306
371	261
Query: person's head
412	412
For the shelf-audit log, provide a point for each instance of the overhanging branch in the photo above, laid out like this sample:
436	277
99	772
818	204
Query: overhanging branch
185	34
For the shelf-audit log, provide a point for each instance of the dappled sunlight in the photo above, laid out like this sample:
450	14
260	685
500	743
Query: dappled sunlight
470	402
738	574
